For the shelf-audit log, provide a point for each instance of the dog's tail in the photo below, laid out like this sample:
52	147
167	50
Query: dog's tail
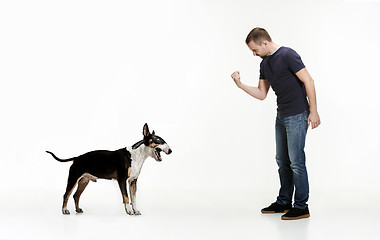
60	160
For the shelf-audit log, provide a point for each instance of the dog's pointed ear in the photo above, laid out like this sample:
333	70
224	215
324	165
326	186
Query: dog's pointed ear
146	130
153	133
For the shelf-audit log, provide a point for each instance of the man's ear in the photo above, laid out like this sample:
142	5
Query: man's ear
146	130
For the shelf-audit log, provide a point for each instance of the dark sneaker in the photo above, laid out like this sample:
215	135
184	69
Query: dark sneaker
277	208
296	213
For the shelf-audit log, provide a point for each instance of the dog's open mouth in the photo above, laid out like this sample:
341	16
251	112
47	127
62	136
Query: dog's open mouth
157	152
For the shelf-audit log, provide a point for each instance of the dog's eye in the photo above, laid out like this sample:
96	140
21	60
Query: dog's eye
158	140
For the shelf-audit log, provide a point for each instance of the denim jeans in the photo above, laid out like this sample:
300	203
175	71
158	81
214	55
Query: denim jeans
290	157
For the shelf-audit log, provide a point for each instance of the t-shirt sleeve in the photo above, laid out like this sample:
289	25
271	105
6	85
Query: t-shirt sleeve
262	76
294	61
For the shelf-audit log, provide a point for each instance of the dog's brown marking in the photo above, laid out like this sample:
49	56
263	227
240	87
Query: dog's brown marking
133	186
152	144
133	189
89	177
125	199
129	171
82	184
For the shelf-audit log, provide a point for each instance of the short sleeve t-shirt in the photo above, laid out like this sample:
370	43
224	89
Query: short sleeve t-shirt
280	69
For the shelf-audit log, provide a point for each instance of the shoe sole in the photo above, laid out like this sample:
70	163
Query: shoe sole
295	218
273	212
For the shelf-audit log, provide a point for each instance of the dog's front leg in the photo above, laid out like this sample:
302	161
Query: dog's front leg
124	193
132	191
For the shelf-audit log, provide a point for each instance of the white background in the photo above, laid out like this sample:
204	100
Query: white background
83	75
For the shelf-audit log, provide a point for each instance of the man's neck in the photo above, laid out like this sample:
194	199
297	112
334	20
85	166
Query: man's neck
273	47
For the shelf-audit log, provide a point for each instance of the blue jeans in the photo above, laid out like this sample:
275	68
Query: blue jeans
290	157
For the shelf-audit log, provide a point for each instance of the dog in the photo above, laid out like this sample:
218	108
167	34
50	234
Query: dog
123	165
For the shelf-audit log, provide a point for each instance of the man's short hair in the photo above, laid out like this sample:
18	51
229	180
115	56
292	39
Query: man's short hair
258	35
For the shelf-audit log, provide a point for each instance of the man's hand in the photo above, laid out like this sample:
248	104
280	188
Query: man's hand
313	120
236	77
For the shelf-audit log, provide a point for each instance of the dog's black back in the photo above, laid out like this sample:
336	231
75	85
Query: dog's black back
101	164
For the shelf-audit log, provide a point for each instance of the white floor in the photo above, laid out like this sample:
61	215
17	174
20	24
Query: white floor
185	215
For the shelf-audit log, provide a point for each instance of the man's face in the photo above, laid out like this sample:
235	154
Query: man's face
258	49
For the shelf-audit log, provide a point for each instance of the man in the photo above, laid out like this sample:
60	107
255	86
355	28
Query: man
283	70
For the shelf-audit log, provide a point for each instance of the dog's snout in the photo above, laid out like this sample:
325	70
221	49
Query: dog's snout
166	148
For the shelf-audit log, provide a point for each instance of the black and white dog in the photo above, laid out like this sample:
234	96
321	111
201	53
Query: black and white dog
123	165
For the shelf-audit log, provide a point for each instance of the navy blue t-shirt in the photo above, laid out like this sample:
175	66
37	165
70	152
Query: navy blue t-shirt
279	70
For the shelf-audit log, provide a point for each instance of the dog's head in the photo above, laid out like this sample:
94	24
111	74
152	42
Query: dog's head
156	143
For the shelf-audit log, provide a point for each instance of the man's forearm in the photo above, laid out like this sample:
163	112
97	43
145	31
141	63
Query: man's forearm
311	95
253	91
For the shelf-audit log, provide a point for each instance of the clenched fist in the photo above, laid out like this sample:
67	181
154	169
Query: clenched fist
236	77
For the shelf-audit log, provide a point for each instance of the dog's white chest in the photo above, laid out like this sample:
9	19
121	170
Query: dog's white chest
135	169
138	158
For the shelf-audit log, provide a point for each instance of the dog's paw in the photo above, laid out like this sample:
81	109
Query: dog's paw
129	212
65	211
137	212
128	209
79	210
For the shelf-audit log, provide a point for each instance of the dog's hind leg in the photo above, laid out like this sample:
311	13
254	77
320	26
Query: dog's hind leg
82	184
69	189
124	193
71	183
